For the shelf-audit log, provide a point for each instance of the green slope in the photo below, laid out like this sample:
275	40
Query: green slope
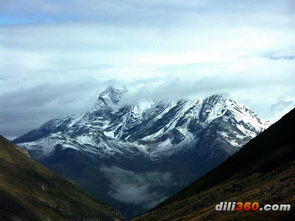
263	170
29	191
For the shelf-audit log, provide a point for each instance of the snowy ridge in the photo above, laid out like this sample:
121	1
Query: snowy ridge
152	129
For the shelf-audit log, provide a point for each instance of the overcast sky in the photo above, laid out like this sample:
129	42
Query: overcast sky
57	55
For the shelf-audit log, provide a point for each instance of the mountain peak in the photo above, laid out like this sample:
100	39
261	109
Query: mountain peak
110	96
216	98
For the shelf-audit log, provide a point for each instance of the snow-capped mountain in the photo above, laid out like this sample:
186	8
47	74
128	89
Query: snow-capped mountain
142	152
152	129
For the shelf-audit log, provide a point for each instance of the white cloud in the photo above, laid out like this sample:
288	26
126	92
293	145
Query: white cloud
172	48
142	189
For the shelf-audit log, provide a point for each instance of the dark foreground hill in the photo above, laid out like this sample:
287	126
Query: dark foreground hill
263	170
29	192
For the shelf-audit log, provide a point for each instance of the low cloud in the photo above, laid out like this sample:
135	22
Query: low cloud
143	189
282	106
286	57
287	54
26	108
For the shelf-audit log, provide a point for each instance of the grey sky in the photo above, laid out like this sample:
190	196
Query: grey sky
55	56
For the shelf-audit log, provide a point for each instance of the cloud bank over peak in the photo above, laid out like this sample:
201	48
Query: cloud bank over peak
56	56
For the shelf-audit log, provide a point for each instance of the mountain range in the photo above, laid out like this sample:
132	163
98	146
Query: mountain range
133	156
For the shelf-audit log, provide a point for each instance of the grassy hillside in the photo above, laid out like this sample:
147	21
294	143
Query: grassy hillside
263	170
29	192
